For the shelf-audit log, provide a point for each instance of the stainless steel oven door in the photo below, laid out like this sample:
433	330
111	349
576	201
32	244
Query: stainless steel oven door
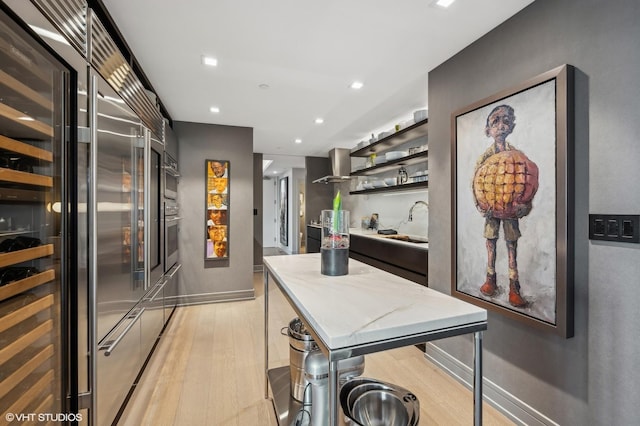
171	177
171	226
170	186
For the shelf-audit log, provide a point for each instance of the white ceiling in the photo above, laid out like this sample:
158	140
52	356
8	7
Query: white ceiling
308	53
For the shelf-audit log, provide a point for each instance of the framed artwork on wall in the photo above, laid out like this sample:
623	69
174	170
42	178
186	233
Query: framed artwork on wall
283	197
217	208
512	233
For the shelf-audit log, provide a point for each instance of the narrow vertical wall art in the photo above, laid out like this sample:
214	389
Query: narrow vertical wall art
217	208
283	197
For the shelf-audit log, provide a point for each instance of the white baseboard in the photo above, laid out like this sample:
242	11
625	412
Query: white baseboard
515	409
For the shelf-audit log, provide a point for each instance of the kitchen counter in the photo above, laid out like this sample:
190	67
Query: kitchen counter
374	235
405	259
369	310
366	305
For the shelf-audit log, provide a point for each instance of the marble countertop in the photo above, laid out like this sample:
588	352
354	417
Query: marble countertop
374	234
367	305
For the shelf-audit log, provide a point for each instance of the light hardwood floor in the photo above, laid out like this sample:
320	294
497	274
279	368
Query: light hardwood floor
208	369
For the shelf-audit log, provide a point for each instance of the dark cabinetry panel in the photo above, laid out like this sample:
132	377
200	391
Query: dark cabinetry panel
313	239
399	259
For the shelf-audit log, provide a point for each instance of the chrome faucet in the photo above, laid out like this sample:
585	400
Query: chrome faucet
414	206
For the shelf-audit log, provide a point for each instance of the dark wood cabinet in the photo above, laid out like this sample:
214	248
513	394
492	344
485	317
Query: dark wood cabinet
313	239
399	259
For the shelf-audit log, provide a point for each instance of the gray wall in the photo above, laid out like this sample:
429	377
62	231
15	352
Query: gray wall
319	195
206	281
592	378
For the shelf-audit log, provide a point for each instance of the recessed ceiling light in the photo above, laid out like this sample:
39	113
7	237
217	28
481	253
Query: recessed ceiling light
208	60
356	85
214	110
263	86
319	120
298	141
444	3
275	172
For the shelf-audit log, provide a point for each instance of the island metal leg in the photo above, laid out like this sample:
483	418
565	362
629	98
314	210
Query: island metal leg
477	378
333	393
266	333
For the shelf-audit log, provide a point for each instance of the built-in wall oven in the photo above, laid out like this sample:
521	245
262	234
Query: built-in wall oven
155	210
171	177
171	226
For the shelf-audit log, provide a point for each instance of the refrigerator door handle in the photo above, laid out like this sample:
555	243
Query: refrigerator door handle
160	288
92	211
174	271
110	345
146	141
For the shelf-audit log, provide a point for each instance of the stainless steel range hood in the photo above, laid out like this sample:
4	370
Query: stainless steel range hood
340	166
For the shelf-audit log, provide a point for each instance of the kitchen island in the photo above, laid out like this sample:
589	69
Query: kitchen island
366	311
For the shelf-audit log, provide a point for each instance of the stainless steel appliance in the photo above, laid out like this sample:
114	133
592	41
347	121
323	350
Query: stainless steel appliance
37	182
340	167
171	228
120	281
316	368
127	221
301	344
171	290
155	210
97	147
171	177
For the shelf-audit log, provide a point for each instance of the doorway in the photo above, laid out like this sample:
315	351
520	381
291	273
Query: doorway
269	207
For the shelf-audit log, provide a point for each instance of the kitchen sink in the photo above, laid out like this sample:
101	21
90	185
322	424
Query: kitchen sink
406	238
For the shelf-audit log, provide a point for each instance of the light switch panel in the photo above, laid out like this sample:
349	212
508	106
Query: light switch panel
612	227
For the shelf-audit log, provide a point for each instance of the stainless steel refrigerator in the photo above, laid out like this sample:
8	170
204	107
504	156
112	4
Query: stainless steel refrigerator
119	245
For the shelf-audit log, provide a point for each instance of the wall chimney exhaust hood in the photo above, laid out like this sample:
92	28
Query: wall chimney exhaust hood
340	166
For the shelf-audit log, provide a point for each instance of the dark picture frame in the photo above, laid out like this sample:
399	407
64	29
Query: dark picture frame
283	197
512	203
217	209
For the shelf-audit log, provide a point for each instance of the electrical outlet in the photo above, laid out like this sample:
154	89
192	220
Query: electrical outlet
611	227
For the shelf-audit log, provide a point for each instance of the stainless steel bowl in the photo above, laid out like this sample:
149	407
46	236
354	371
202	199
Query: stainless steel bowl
358	390
357	387
347	387
380	407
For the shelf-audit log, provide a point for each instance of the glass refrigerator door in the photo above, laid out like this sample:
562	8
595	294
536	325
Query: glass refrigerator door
34	229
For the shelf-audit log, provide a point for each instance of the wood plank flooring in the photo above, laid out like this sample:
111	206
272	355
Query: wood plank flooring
208	370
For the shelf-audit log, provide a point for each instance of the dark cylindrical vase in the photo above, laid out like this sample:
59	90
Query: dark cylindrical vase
334	261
